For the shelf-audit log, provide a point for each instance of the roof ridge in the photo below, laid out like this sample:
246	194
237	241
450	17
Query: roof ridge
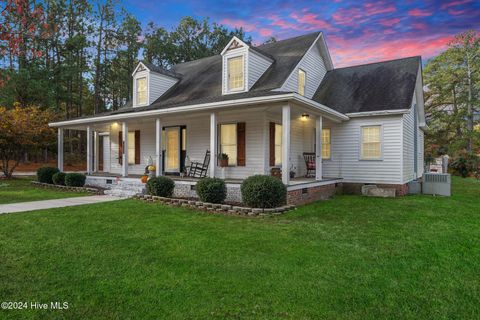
378	62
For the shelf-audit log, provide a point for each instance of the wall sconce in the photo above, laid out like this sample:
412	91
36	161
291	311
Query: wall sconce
305	116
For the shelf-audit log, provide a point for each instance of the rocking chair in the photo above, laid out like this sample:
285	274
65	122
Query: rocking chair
309	158
199	169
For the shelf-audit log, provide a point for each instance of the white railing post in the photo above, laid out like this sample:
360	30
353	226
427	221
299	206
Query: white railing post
213	144
158	147
95	151
89	149
60	150
318	148
286	144
125	149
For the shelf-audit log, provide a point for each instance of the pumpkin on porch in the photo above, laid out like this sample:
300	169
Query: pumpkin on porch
144	179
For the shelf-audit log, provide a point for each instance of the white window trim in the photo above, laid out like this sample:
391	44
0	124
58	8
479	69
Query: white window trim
233	54
360	145
330	157
219	139
298	82
139	76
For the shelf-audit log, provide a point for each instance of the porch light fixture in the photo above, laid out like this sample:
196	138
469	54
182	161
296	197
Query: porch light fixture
305	116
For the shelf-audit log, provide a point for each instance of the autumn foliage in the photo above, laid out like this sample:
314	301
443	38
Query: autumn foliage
23	129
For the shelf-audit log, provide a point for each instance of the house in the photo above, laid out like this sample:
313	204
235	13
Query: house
264	107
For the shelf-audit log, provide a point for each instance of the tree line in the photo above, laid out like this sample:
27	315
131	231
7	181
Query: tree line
452	102
77	56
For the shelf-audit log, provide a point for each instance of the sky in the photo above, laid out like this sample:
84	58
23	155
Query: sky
356	32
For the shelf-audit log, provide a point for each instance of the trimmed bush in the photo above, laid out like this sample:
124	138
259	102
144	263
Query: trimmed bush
261	191
59	178
160	186
211	190
75	179
45	174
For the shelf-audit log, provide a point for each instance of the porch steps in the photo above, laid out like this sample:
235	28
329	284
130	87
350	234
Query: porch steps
126	189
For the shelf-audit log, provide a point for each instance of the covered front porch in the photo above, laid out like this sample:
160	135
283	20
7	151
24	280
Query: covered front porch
259	139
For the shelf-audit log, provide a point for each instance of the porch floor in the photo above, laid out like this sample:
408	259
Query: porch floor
293	182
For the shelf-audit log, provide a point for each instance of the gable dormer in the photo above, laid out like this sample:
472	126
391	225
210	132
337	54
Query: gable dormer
150	83
242	66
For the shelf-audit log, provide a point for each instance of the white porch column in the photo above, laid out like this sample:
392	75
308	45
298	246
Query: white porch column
286	144
95	150
89	150
125	149
158	147
318	148
213	144
60	150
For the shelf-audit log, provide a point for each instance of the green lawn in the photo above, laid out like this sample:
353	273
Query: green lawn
415	257
21	190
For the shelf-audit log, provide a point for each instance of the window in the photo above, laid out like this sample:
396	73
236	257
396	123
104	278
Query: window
228	142
326	144
141	91
301	82
278	144
371	143
131	148
235	73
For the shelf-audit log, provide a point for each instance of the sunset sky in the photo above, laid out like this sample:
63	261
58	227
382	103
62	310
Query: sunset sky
356	31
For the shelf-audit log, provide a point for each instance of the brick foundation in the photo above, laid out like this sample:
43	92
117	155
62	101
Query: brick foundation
356	188
312	194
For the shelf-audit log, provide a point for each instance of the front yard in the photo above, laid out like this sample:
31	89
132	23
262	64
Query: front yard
415	257
21	190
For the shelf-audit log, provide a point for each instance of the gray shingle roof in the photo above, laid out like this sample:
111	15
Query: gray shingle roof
387	85
161	70
202	79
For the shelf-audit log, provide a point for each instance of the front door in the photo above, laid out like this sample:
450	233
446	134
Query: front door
172	149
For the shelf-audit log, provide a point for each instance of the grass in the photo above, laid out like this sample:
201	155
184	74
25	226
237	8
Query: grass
21	190
416	257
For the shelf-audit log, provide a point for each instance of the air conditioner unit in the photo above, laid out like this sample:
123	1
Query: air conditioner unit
437	184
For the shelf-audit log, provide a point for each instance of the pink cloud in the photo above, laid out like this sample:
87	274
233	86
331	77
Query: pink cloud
389	22
355	15
279	22
419	26
264	32
454	12
419	13
454	3
312	21
237	23
354	51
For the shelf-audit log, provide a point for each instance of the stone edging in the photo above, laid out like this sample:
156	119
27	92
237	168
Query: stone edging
67	188
216	207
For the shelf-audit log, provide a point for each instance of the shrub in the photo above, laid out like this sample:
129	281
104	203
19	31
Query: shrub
211	190
75	179
45	174
59	178
160	186
465	164
261	191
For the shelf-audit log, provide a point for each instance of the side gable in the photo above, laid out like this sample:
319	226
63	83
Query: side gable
315	63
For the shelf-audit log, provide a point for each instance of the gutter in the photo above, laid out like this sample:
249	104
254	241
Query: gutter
205	106
378	113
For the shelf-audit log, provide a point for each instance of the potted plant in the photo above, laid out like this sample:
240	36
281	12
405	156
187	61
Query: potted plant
151	170
292	172
223	160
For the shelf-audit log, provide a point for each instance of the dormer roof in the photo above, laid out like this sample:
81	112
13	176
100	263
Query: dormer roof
153	68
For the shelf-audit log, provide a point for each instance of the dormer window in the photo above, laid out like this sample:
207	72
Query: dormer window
301	82
236	77
142	91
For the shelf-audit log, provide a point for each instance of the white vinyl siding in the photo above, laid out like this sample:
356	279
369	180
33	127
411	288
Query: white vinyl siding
345	151
257	65
421	150
228	142
408	146
314	66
